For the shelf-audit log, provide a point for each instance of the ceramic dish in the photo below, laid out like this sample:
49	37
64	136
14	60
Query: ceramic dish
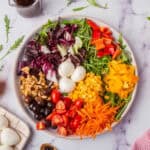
21	52
19	126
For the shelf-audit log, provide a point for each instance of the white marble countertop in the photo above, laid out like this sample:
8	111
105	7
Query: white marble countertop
127	16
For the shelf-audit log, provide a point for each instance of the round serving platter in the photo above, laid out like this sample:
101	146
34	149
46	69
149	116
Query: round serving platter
21	52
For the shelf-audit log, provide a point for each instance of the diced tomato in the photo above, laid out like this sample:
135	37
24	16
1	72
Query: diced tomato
93	25
67	102
60	107
71	113
75	122
40	126
57	120
62	131
49	117
110	49
79	103
55	95
65	120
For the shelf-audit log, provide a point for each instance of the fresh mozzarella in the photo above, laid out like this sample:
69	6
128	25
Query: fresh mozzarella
51	76
9	137
44	49
66	68
3	122
66	85
78	74
5	147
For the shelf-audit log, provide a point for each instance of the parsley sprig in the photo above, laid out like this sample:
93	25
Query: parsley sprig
14	46
7	27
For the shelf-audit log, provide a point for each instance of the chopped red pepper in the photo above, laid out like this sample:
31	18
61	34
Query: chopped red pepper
93	25
96	35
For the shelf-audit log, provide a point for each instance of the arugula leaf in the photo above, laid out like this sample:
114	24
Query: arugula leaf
94	3
79	8
1	47
7	27
17	43
125	55
43	33
14	46
148	18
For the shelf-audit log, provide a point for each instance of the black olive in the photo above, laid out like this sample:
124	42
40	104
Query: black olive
47	111
49	105
31	106
38	116
42	103
42	111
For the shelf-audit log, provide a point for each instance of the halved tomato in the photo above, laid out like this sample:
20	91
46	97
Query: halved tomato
65	120
55	95
40	126
62	131
78	103
56	120
60	107
67	102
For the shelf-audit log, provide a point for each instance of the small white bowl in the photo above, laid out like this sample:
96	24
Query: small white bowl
20	100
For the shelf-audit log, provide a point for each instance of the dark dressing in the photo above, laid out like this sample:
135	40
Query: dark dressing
24	2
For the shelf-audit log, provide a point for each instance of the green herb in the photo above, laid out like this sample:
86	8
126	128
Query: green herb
79	8
7	27
13	47
94	3
43	33
125	55
121	111
148	18
1	47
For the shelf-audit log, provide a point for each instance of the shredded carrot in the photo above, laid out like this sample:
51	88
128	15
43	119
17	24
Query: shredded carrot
96	117
116	54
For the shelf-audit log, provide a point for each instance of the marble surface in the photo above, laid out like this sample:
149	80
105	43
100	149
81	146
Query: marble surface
127	16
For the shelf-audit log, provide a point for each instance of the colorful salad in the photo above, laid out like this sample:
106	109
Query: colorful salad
76	78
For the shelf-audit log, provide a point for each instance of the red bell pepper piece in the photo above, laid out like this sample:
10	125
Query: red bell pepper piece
93	25
96	35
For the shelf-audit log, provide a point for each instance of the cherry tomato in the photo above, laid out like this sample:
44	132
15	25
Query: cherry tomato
62	131
49	117
71	113
65	120
40	126
67	102
75	122
110	49
56	120
55	95
60	107
79	103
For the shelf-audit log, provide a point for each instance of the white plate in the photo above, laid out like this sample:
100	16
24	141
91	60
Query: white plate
115	34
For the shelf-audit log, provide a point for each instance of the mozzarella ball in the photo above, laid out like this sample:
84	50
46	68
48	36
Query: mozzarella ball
9	137
5	147
66	85
78	74
66	68
3	122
